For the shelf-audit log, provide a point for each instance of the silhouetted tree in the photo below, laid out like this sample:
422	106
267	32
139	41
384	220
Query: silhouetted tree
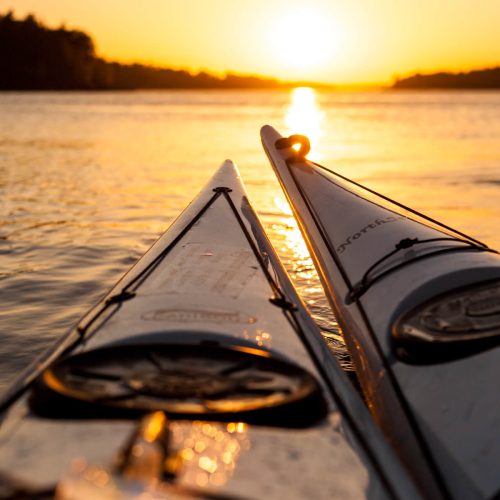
33	57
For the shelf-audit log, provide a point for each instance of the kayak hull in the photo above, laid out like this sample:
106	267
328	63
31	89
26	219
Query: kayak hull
378	264
208	330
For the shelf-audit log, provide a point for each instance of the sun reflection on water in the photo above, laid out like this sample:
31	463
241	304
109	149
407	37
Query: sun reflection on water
305	117
295	255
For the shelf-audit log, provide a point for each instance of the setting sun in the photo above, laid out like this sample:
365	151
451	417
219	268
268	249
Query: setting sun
303	39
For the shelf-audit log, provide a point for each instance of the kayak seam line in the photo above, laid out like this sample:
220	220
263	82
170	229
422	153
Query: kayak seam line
435	471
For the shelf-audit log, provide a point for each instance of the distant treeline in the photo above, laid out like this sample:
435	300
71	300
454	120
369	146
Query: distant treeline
34	57
480	79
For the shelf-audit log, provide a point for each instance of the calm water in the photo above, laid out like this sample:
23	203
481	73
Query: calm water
89	180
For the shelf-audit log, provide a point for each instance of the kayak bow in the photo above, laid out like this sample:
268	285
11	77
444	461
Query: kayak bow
419	306
199	375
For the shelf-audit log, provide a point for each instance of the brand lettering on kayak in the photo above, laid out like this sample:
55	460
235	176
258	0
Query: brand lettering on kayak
198	316
373	225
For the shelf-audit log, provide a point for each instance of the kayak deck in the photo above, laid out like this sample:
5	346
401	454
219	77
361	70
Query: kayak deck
208	328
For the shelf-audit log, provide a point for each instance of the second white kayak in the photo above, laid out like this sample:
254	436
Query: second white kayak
419	304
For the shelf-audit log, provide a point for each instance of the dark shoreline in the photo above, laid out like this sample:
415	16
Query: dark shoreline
34	57
483	79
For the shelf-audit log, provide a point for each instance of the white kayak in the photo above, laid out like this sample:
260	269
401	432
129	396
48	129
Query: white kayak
200	375
419	306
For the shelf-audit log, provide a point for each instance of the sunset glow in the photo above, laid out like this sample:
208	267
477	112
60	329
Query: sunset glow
319	40
303	39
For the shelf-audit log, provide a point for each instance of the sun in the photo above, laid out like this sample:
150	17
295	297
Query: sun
303	39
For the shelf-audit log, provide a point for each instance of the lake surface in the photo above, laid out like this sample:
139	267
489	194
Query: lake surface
88	181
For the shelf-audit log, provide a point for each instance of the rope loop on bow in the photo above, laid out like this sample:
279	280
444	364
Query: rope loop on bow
299	144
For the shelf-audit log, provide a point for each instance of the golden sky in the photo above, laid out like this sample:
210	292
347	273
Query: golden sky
336	41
